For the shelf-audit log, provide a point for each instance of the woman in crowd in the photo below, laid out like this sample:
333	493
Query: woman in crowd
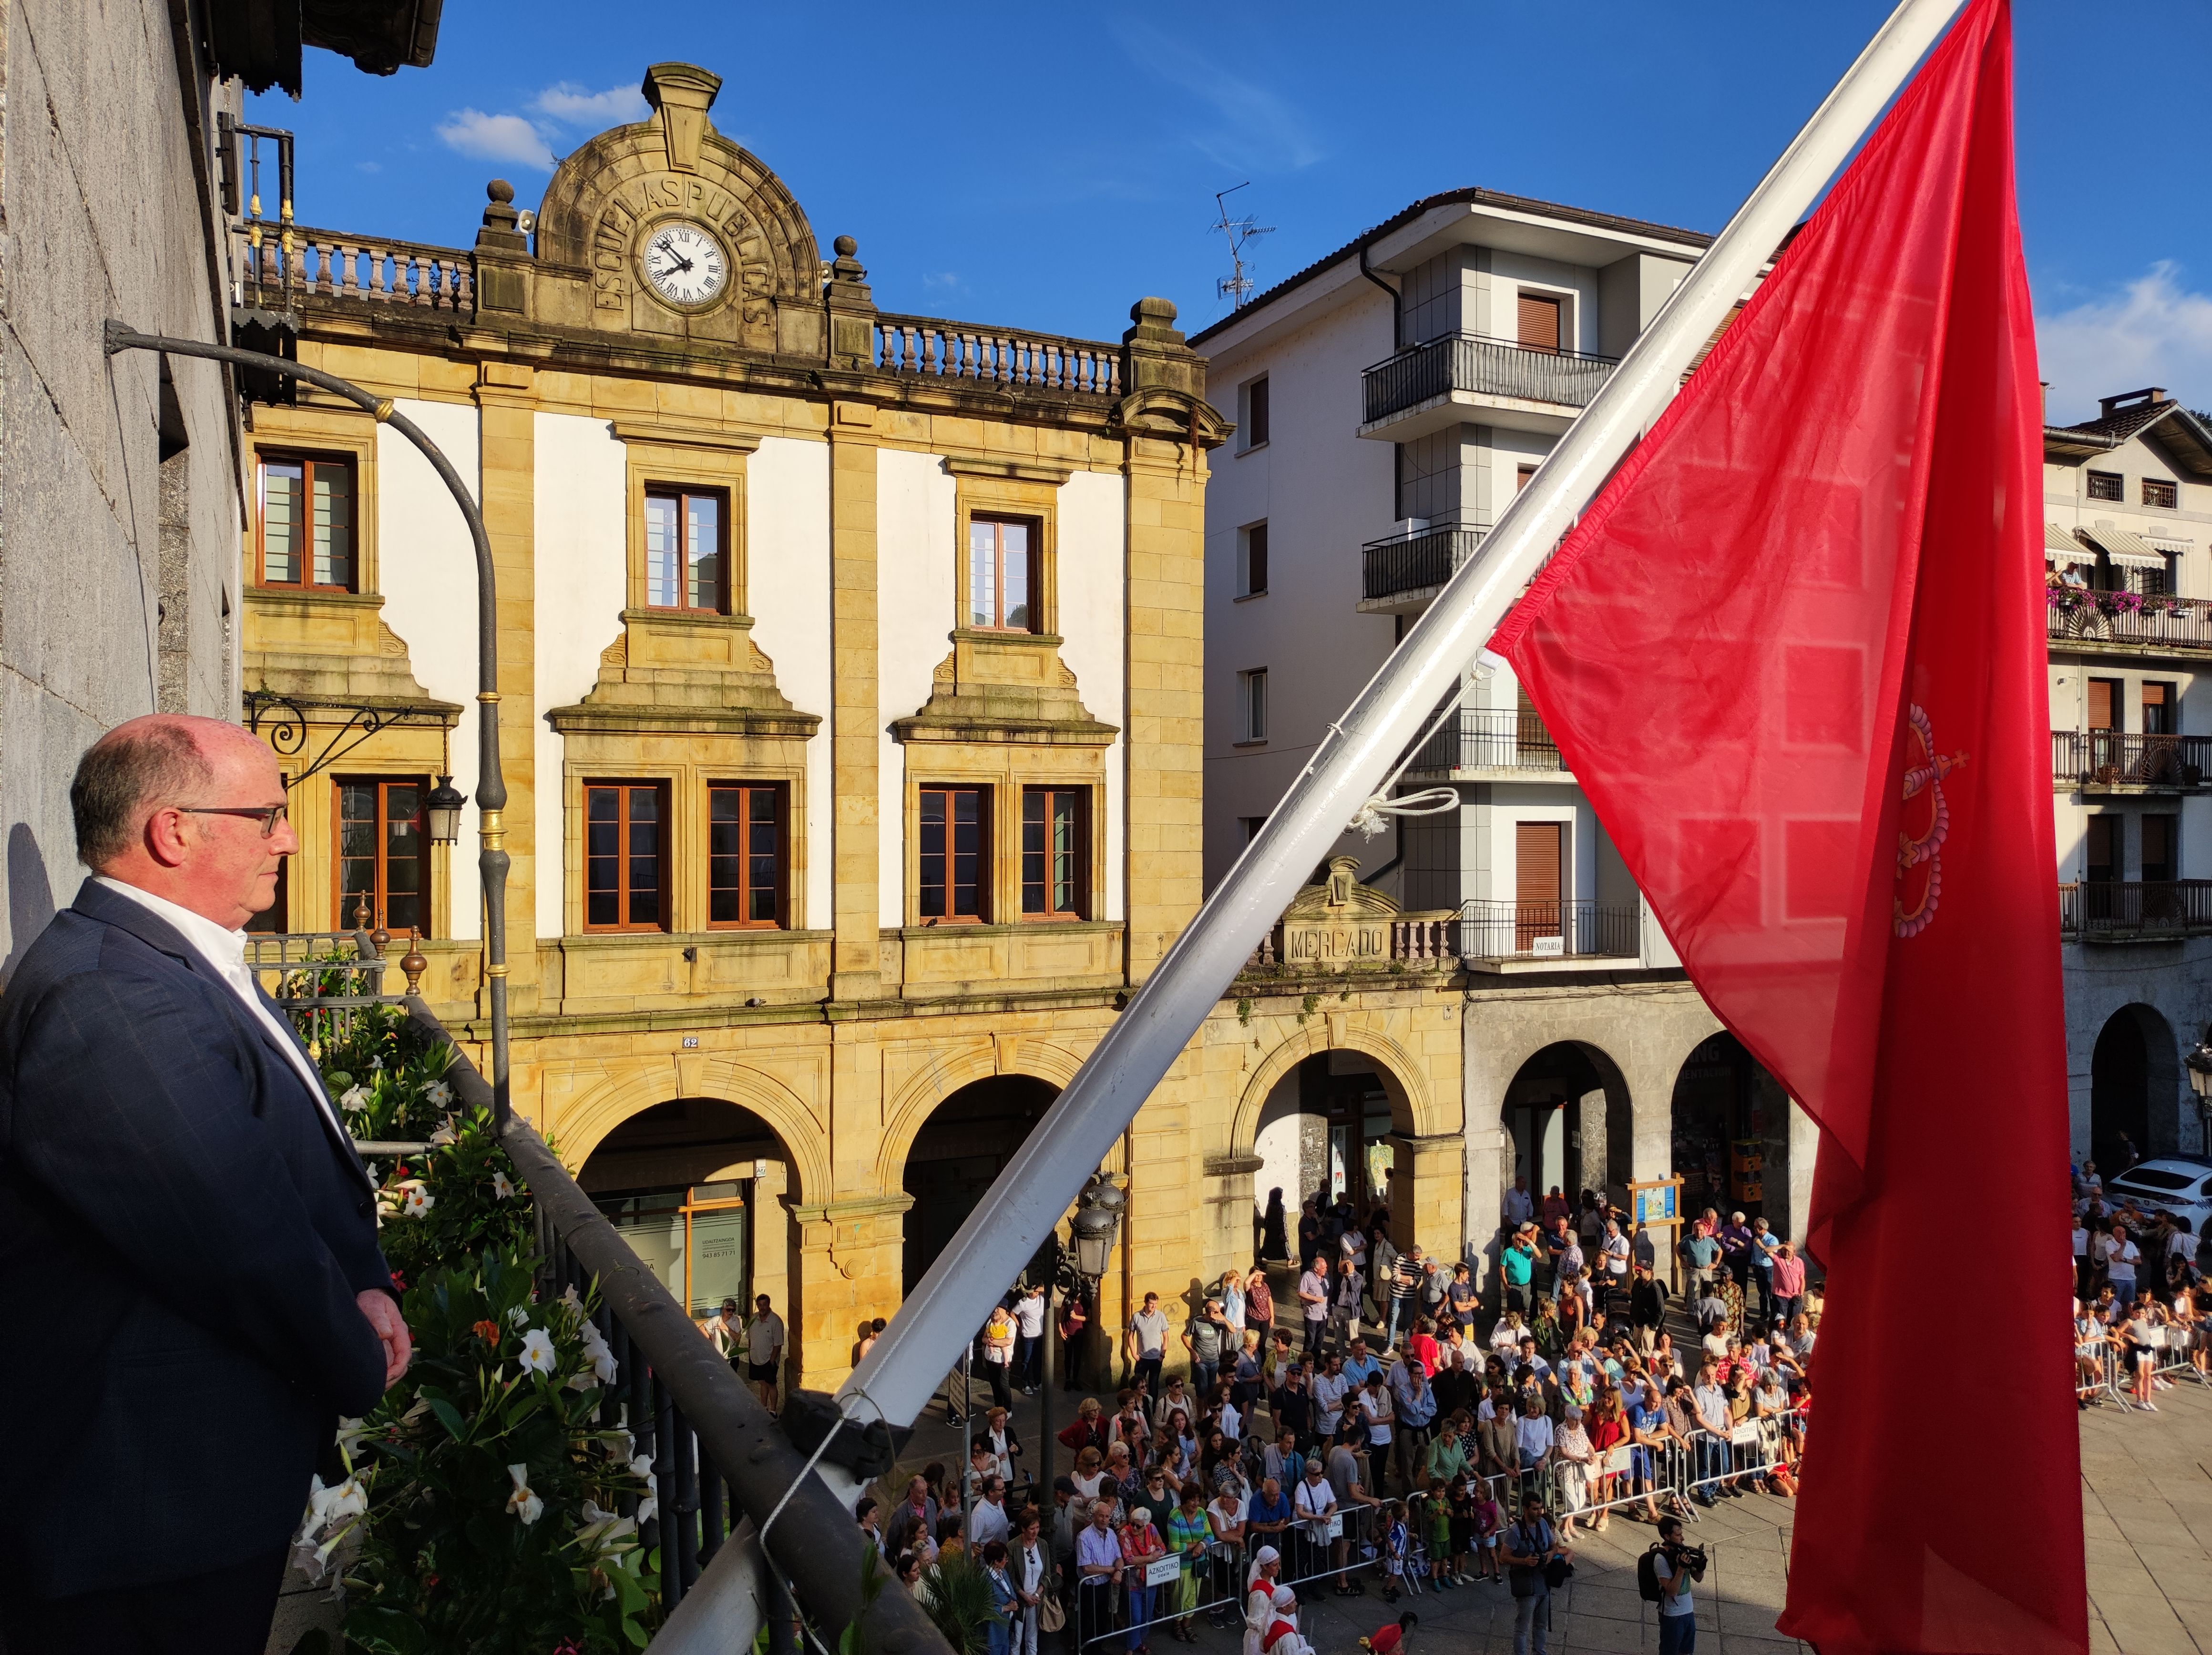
1573	1458
1607	1428
1087	1429
1073	1319
1505	1337
1216	1452
1550	1338
1247	1384
2138	1331
998	1630
910	1567
1141	1543
1649	1434
1189	1535
1770	1405
1259	1305
1089	1475
1224	1520
1572	1310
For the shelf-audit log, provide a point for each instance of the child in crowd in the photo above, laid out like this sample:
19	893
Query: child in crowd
1396	1541
1439	1528
1488	1521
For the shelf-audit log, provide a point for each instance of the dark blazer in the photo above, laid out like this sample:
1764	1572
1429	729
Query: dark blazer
183	1234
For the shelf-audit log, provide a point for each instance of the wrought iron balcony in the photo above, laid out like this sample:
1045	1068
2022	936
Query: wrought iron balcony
1412	563
2127	620
1548	931
1485	368
2135	910
2098	759
1482	740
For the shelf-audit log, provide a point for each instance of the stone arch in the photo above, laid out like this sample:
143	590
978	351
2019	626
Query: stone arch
586	1124
909	1108
1403	1077
2134	1082
1560	1074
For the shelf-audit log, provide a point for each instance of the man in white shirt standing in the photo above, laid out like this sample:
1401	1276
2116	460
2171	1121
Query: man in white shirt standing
1518	1206
1313	1300
764	1351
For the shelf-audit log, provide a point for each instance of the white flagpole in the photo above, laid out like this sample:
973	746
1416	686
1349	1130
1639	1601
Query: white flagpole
1077	1133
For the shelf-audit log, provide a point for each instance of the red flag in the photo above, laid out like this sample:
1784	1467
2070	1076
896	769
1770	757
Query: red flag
1794	654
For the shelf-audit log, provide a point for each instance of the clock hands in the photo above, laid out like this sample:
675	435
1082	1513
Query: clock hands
663	245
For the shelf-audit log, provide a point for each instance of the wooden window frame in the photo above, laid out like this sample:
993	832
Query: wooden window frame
1079	881
1251	690
1033	578
2164	693
2116	846
2162	493
1259	414
2116	690
2169	826
381	892
307	460
780	792
985	880
2105	485
624	786
683	494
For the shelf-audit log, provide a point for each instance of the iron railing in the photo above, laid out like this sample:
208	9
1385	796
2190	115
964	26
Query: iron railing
2117	758
1411	563
1489	367
2074	615
1542	931
1482	740
2124	910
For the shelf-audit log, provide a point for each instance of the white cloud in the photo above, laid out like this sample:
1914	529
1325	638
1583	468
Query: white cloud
496	137
572	106
2152	332
1252	126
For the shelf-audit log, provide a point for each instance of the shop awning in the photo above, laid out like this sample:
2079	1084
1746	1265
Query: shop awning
2127	549
2060	547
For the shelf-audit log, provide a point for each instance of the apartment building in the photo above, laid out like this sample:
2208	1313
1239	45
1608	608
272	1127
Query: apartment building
1391	399
2128	551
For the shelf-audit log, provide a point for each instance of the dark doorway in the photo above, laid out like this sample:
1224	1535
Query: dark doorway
1731	1133
961	1148
2120	1076
1566	1117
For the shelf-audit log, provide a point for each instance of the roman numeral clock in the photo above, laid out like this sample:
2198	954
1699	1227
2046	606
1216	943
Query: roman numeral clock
684	264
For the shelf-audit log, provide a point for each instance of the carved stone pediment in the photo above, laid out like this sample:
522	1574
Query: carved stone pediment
1005	687
1341	922
695	674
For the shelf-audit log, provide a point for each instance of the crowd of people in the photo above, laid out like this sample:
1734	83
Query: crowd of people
2142	1307
1280	1444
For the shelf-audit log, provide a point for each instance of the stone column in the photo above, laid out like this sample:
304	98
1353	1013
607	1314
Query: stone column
1804	1152
856	950
1428	1184
507	400
770	1232
849	1259
1227	1239
1489	1171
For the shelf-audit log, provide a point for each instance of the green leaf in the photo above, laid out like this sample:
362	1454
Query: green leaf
450	1417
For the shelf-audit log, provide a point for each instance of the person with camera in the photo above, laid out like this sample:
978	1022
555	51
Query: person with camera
1536	1563
1667	1570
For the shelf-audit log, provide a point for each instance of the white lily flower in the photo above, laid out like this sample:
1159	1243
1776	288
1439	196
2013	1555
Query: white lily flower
348	1499
354	1099
601	1530
523	1503
571	1298
501	1186
438	1094
597	1352
642	1466
444	1136
419	1201
520	1316
350	1432
538	1352
647	1507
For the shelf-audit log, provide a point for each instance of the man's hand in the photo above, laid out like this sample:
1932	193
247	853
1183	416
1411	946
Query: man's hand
383	1315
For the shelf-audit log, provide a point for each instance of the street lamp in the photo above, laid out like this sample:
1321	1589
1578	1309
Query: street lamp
1097	1219
2199	1066
444	808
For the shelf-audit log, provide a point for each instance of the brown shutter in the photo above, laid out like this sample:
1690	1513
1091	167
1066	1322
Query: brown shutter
1539	323
2104	848
2158	837
2103	703
1537	882
2158	709
1520	476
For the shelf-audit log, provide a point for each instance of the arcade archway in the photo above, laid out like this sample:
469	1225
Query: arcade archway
2134	1075
1568	1123
955	1157
1730	1133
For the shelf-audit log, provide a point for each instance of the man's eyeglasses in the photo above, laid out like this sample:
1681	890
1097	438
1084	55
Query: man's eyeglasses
269	815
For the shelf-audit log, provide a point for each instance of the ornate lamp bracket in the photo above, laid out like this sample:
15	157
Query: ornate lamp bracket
287	729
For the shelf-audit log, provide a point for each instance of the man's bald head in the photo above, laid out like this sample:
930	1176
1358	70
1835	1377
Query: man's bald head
160	759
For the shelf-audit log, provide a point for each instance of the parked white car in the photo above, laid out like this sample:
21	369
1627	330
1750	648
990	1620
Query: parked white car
2182	1185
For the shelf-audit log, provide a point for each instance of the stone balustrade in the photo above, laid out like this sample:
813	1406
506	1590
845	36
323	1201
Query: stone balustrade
325	263
958	350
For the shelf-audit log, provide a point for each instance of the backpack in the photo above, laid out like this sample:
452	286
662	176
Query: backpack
1648	1585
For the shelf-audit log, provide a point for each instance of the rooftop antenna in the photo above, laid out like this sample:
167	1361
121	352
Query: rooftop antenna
1239	230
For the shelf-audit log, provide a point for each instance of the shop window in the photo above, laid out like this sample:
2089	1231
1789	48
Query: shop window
306	531
625	856
745	854
952	879
687	550
1055	833
384	853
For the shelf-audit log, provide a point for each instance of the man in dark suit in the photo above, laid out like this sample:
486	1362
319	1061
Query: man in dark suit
189	1273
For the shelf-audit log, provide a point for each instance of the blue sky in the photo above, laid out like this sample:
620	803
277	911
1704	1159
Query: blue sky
1045	166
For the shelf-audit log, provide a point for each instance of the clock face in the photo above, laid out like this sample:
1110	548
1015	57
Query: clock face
685	265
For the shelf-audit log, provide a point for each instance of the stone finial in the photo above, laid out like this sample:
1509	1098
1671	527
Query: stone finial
849	290
681	94
502	224
1155	320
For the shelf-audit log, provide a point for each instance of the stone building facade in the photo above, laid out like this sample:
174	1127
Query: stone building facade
850	667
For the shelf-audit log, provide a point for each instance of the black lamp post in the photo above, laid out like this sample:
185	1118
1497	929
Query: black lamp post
1097	1218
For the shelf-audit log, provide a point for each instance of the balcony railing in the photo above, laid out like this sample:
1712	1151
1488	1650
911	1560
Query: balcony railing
2114	758
2128	618
331	264
1489	367
2113	910
1411	563
959	351
1490	741
1548	931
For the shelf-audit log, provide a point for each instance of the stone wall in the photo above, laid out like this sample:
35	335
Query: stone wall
119	494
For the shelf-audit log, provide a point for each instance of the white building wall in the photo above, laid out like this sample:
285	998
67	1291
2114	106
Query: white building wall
915	504
1093	608
582	549
787	594
426	568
